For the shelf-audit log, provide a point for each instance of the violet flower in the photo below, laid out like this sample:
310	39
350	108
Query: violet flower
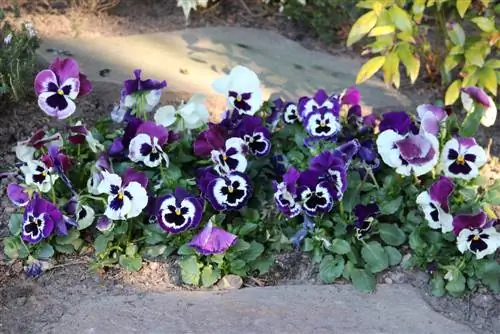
146	146
79	134
434	204
19	195
476	235
39	220
461	158
229	192
364	215
256	136
476	97
320	100
316	195
179	211
137	88
286	196
208	140
331	169
212	240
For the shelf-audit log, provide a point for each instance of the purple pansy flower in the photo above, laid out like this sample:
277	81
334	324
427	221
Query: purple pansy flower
80	134
18	194
39	220
316	195
208	140
232	158
291	113
322	123
149	88
212	240
179	211
120	144
350	96
472	96
285	194
256	136
320	100
58	86
203	178
364	218
332	169
38	174
462	158
402	149
431	118
229	192
368	155
60	162
434	204
26	149
347	151
104	224
146	146
476	234
276	111
362	124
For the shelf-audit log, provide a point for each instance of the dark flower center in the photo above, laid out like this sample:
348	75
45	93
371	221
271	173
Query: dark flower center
33	226
477	243
233	192
175	215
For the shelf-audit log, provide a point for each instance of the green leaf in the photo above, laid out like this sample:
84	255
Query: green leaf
15	223
44	251
492	195
101	243
392	234
253	252
471	123
263	264
247	228
308	245
437	286
452	92
474	56
370	68
190	270
457	284
400	18
492	63
361	27
65	249
375	256
462	6
392	206
488	79
411	62
186	250
451	61
238	264
363	280
394	255
331	268
209	276
382	30
131	250
489	274
339	246
484	23
456	33
68	239
155	251
391	69
131	263
11	247
240	246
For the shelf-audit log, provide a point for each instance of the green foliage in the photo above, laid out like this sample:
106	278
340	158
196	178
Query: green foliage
454	41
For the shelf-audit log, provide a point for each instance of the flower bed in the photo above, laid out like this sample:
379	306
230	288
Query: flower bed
354	191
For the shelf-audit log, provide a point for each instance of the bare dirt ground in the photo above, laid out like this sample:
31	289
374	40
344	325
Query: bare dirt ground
71	281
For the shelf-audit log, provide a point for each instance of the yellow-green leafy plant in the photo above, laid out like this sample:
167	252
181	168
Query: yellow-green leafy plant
454	42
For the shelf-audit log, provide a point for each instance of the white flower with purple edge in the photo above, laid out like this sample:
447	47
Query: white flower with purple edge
232	157
285	195
229	192
461	158
39	220
38	174
179	211
473	97
476	235
315	195
146	146
434	204
137	90
322	123
431	117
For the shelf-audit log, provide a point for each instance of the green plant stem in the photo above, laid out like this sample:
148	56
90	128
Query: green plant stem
78	150
52	190
25	247
369	171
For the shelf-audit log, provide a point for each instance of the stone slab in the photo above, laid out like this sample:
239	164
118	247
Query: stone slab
191	59
282	309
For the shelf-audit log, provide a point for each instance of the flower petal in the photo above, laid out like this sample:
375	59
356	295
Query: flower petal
43	79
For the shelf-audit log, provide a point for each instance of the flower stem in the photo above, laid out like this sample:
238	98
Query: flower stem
52	190
78	150
370	172
25	247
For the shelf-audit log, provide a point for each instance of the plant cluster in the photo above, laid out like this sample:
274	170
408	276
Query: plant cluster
17	60
455	42
354	191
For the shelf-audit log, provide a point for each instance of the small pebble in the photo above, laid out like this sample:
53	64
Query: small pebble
388	280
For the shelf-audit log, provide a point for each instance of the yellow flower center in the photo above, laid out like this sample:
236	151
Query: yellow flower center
322	123
44	173
60	92
475	238
461	160
224	157
230	189
238	98
120	196
178	212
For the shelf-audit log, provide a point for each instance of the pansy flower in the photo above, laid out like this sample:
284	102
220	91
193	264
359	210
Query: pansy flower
332	169
39	220
361	124
434	204
431	117
121	143
368	155
320	100
232	157
79	134
403	149
276	111
146	146
346	151
316	195
191	115
58	86
476	97
18	194
364	216
256	136
208	140
149	89
322	123
475	234
102	164
350	96
104	224
462	158
242	90
212	240
127	197
229	192
285	195
179	211
85	216
38	174
60	162
27	148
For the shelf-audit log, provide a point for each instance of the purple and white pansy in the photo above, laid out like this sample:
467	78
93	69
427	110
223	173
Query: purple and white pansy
85	216
26	149
242	90
316	195
256	136
285	195
364	217
322	123
332	168
179	211
404	149
18	194
38	174
320	100
58	87
144	94
475	97
461	158
212	240
146	146
39	220
434	204
291	113
229	192
127	196
80	134
232	157
431	117
476	234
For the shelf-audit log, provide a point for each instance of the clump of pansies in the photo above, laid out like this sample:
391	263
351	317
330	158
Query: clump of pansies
354	190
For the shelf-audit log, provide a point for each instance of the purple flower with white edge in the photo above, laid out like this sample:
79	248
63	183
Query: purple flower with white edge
18	194
120	144
104	224
291	113
256	136
347	151
146	146
38	174
232	158
212	240
276	111
229	192
203	178
316	195
402	149
473	97
434	204
242	90
461	158
476	235
332	169
148	89
58	86
431	118
179	211
285	195
127	197
365	215
39	220
320	100
80	134
322	123
368	155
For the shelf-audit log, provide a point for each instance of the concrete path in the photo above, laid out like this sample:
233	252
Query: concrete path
191	59
283	309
